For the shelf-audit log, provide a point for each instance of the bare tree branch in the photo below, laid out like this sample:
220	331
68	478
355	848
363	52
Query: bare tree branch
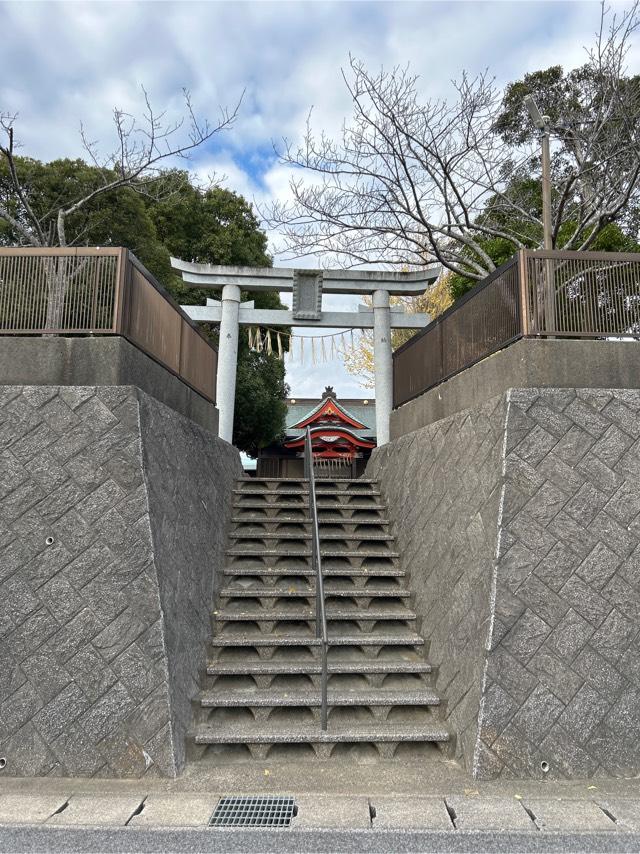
143	146
37	238
411	179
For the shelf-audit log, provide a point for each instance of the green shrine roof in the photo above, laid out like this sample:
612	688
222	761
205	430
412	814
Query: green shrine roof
298	409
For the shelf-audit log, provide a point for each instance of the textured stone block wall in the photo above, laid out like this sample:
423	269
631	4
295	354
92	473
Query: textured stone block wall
189	477
112	516
443	488
543	636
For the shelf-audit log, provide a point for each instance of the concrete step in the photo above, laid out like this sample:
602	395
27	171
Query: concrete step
368	496
326	491
324	552
276	698
341	481
263	535
206	734
288	505
267	615
351	528
276	593
304	520
310	666
365	639
275	572
284	481
266	491
304	535
261	691
351	496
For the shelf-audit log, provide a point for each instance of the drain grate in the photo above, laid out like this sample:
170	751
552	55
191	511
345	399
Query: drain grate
261	811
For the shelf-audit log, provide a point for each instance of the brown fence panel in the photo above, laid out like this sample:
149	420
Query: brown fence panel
198	361
151	322
483	324
417	365
58	290
90	290
155	323
485	320
556	294
593	294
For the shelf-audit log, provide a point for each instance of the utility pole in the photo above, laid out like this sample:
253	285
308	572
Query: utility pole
543	124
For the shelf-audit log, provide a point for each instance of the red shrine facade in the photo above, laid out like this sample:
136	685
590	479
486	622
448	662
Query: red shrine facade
342	437
333	433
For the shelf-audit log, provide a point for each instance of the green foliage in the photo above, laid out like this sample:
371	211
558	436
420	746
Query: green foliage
612	238
212	224
593	118
527	194
215	226
557	95
571	100
260	407
220	227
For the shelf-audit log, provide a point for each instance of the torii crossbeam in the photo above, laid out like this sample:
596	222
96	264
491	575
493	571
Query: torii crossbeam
307	287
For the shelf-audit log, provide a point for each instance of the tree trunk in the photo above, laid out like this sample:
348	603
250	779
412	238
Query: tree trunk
57	279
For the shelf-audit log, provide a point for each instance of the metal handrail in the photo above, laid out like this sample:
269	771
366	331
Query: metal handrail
316	562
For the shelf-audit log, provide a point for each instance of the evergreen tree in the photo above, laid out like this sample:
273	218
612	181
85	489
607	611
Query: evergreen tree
215	226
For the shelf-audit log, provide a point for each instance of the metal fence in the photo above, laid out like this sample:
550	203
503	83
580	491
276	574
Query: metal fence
535	294
95	291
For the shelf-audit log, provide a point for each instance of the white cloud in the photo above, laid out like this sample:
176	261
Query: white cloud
61	63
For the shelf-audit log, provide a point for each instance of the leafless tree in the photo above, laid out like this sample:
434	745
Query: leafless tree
412	180
143	145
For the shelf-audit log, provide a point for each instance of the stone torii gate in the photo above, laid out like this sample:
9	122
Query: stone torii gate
308	287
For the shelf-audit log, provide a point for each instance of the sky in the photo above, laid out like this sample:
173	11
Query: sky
63	63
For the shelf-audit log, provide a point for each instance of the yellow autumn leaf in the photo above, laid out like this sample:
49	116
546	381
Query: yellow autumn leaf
358	359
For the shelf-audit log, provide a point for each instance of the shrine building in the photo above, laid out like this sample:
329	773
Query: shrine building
343	434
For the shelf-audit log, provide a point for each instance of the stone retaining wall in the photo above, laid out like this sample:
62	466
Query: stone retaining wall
519	524
101	361
528	363
113	516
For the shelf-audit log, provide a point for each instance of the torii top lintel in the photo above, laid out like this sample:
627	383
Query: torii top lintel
282	278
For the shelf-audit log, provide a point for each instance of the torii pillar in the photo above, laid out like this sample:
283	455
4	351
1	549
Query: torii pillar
307	287
227	360
382	364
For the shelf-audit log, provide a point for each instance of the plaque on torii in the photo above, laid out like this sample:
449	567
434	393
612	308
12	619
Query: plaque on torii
308	288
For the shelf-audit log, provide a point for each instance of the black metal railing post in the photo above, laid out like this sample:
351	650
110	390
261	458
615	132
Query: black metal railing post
316	563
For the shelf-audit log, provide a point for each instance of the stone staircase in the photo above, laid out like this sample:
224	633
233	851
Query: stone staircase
261	698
